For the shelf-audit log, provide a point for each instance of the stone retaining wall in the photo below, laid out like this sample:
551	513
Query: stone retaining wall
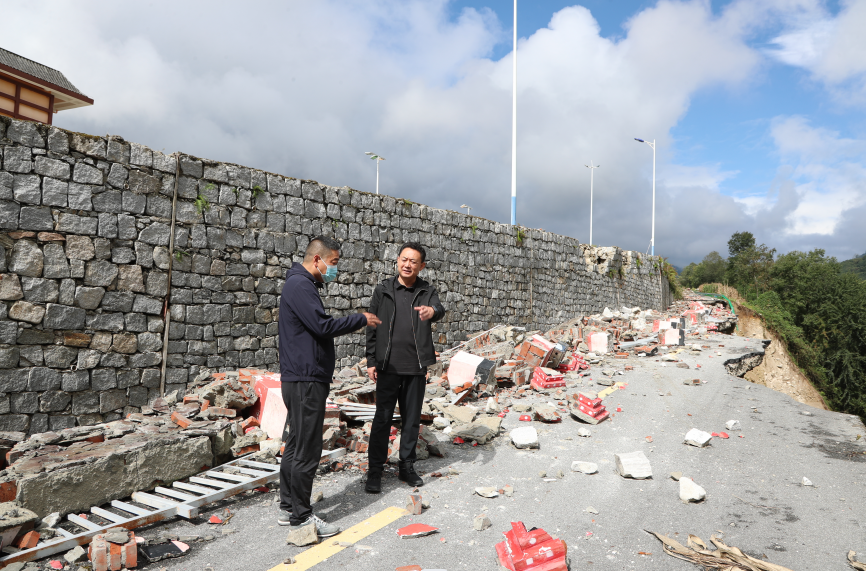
88	269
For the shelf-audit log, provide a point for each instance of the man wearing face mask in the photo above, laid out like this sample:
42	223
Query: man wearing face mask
398	354
306	371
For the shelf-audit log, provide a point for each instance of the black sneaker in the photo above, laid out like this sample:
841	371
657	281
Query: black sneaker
408	474
374	482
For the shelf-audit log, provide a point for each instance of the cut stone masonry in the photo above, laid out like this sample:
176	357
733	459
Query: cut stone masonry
86	271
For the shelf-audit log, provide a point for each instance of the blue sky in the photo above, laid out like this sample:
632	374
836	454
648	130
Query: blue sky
757	105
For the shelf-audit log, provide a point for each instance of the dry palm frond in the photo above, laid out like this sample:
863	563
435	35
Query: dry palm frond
854	563
723	558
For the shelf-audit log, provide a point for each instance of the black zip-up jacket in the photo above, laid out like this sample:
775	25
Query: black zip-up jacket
379	338
306	331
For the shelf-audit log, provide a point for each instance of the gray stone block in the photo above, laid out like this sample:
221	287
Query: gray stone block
8	332
8	359
24	403
150	378
187	213
67	291
157	234
10	287
100	273
88	358
14	380
122	255
14	423
106	322
143	255
147	305
37	218
53	168
58	141
64	317
75	381
126	379
130	278
79	196
107	225
89	297
54	192
40	290
157	284
38	423
141	156
126	229
74	224
134	203
108	201
54	401
55	265
35	337
102	246
150	359
103	379
60	357
149	342
9	213
85	402
17	159
43	379
86	174
112	400
117	176
135	322
137	396
6	186
31	357
26	259
58	422
25	133
112	360
118	301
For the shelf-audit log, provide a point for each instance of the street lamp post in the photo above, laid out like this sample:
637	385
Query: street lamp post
514	124
653	238
467	207
376	158
591	172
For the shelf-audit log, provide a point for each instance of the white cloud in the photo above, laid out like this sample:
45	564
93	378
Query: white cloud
304	88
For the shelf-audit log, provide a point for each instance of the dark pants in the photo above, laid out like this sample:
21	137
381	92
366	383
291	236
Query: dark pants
305	402
408	390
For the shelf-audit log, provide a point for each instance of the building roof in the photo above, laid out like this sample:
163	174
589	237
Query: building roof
36	70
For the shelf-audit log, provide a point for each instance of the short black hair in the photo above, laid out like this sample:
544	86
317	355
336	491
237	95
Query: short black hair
414	246
321	246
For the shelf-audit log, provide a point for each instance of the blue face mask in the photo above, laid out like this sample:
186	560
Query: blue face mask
330	274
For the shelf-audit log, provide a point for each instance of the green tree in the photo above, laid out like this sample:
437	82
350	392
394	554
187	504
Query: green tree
739	242
714	267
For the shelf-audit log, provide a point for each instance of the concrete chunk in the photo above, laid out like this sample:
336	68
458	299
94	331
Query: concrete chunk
691	492
633	465
698	438
303	535
524	437
585	467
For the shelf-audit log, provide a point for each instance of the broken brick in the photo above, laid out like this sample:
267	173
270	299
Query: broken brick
179	420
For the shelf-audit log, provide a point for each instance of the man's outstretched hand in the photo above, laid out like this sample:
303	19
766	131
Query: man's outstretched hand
372	320
425	312
371	372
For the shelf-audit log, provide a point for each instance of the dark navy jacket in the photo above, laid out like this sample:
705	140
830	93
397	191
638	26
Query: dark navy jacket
306	331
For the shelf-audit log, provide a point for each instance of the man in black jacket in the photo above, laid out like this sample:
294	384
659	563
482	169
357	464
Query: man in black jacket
306	371
398	354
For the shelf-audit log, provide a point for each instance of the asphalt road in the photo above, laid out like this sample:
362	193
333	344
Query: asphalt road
755	500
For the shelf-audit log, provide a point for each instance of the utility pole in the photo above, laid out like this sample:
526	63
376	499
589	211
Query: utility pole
653	237
514	123
376	158
591	172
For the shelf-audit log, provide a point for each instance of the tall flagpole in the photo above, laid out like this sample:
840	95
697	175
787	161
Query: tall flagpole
514	124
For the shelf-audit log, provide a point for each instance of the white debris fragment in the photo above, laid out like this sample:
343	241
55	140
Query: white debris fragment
807	481
698	438
525	437
488	492
733	425
441	422
585	467
691	492
584	432
633	465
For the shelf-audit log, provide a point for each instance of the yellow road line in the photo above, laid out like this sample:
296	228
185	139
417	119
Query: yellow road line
318	553
610	390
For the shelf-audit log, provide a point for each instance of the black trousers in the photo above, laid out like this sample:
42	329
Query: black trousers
408	390
305	402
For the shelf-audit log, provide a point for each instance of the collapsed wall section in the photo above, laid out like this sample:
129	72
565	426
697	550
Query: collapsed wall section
88	270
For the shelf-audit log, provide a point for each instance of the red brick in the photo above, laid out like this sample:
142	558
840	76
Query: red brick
129	558
8	491
413	504
98	553
179	420
251	422
28	540
191	398
115	556
205	404
409	568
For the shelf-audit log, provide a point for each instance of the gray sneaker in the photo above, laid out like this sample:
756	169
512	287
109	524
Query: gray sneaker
285	518
323	528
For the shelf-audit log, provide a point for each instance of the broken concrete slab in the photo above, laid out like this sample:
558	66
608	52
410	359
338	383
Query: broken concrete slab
460	414
475	432
524	437
698	438
487	492
633	465
14	519
691	492
546	413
